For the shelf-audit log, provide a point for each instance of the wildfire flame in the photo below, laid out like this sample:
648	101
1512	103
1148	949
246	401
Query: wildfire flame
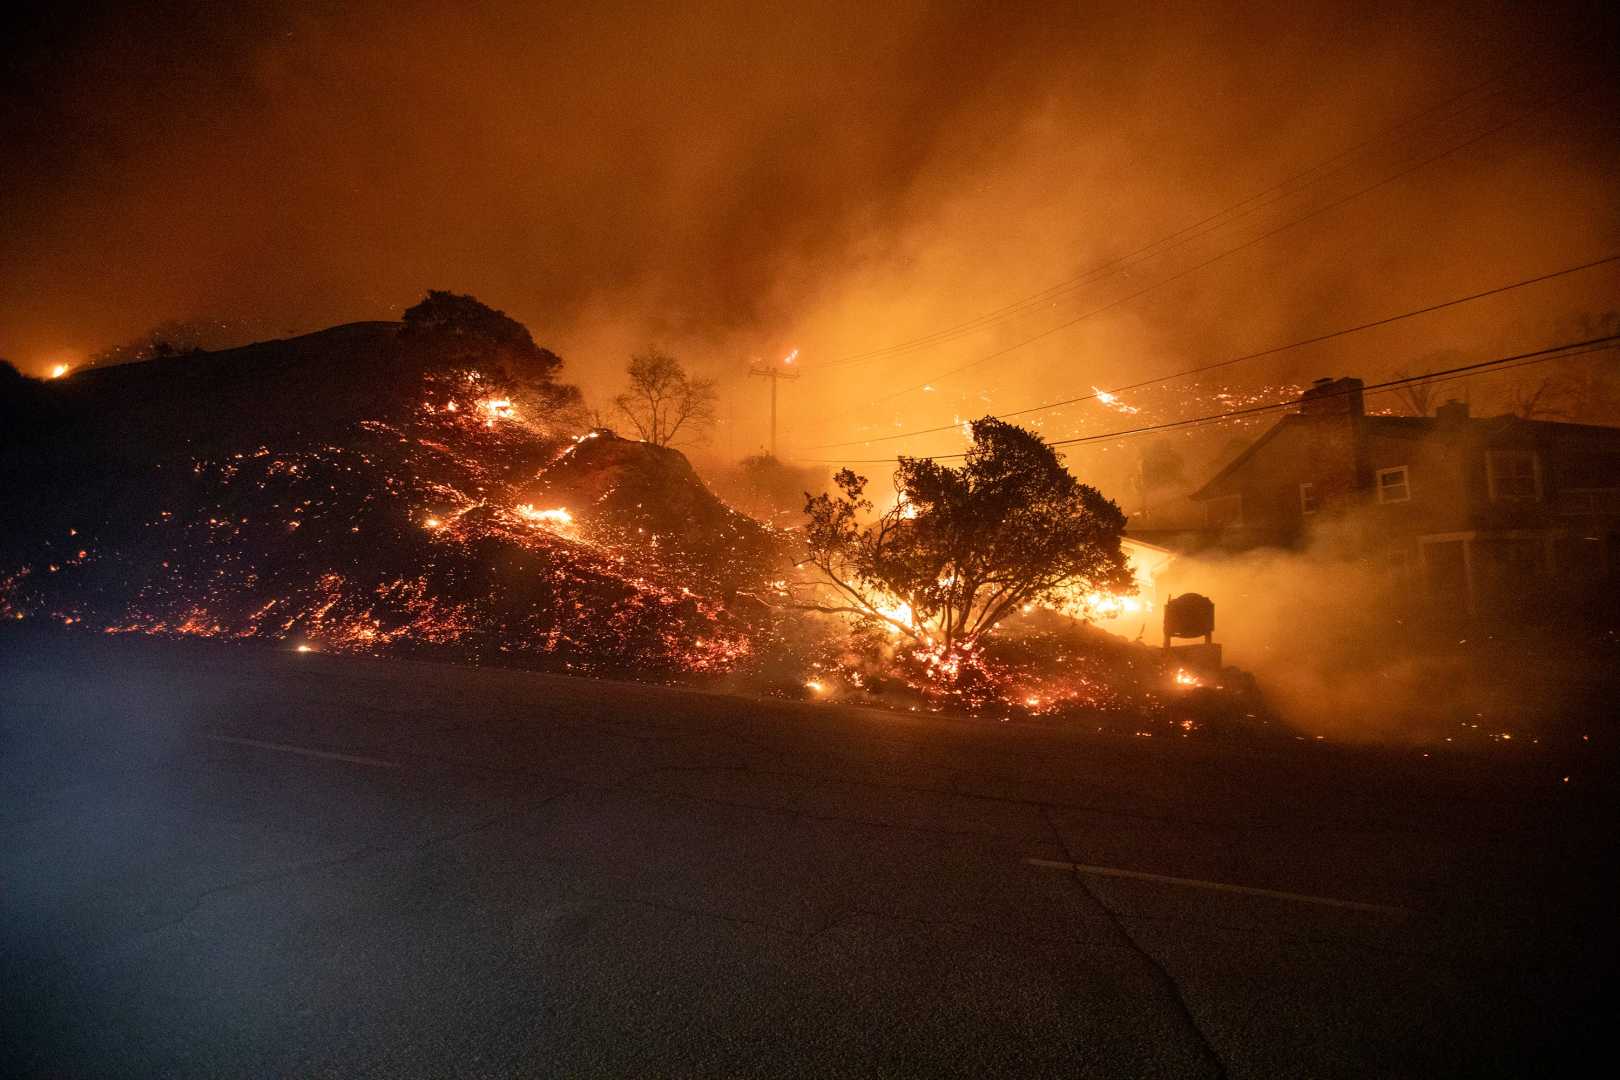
59	370
1112	401
1111	604
496	409
900	612
555	516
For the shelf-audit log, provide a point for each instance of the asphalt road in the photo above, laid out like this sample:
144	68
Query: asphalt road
219	862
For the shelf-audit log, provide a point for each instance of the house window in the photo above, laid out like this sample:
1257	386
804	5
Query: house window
1307	498
1393	486
1513	476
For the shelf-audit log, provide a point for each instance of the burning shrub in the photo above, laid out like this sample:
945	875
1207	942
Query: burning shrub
962	549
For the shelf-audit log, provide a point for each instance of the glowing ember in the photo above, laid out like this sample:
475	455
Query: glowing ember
790	357
898	612
814	686
1108	604
305	648
1112	401
496	409
432	523
1187	679
555	516
59	370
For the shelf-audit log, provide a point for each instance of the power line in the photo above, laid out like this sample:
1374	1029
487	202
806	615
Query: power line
1096	272
1408	170
1591	345
1246	356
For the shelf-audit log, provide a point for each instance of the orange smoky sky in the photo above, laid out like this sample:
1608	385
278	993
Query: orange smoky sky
733	181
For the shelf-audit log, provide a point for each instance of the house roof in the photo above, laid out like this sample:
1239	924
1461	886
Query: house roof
1238	462
1486	429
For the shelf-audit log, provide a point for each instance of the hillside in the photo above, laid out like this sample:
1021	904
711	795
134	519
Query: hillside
340	492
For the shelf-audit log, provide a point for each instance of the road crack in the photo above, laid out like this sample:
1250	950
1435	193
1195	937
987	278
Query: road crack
1160	974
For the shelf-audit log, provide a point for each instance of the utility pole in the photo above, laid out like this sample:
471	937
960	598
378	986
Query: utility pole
776	373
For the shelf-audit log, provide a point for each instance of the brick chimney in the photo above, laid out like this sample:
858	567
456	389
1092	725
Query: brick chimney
1452	413
1333	397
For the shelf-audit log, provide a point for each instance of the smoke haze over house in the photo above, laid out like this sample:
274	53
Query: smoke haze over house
837	182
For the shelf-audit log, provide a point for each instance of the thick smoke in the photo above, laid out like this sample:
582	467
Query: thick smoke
1344	644
731	181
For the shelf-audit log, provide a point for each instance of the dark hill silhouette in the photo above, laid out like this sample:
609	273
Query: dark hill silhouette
352	490
652	495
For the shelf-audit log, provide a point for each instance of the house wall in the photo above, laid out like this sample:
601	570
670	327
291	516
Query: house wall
1320	450
1440	479
1449	547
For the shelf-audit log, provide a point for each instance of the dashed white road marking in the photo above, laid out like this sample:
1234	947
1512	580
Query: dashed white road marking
376	763
1217	886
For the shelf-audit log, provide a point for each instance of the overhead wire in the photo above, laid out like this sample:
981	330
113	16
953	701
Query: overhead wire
1554	352
1176	238
1228	362
1308	216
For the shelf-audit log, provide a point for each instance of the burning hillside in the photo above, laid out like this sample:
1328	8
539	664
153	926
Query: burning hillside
445	515
428	488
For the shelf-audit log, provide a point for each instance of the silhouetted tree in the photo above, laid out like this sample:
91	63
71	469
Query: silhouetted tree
1418	396
1580	386
450	329
767	486
965	547
664	403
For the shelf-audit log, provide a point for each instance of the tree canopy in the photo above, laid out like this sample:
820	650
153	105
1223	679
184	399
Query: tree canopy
664	403
963	548
452	329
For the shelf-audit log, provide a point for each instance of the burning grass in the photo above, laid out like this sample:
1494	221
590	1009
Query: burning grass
409	534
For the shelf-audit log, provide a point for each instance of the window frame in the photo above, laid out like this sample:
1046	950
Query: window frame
1493	475
1405	485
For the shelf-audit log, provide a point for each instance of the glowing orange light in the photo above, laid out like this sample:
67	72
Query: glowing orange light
555	516
59	370
1112	401
1186	678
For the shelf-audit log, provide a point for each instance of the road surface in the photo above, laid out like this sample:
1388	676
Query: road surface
223	862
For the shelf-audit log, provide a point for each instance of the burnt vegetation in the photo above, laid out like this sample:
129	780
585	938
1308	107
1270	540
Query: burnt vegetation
431	487
375	487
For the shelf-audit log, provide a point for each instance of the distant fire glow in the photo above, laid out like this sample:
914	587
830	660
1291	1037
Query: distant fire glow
59	370
1113	401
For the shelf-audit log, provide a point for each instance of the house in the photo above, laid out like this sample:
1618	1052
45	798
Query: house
1472	514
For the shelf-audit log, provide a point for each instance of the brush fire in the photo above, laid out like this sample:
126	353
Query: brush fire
458	517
